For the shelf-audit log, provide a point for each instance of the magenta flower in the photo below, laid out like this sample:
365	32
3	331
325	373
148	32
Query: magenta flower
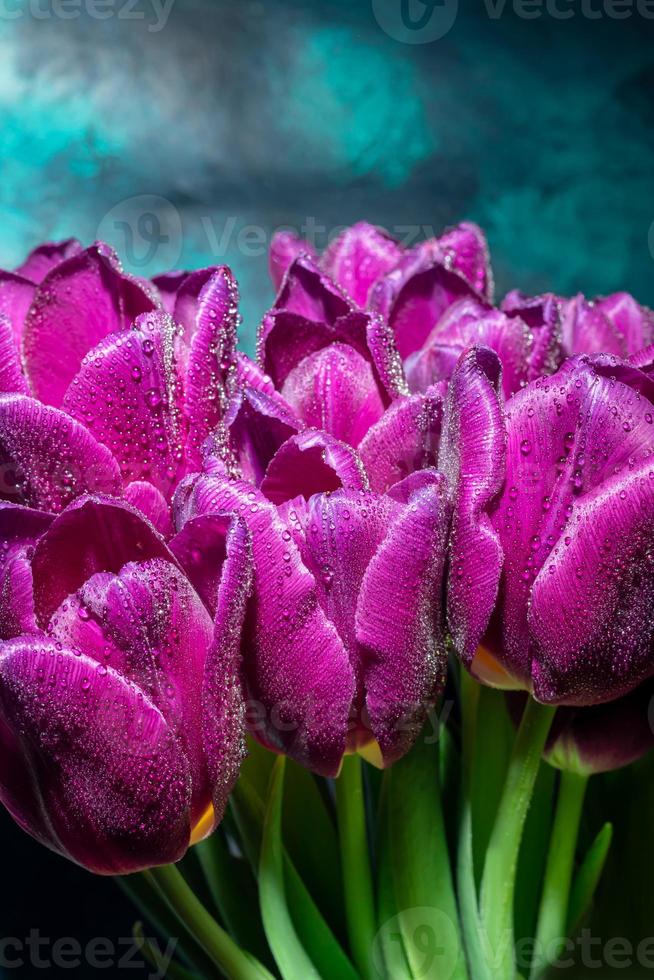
601	737
552	538
614	324
116	396
120	705
344	641
605	736
322	363
436	298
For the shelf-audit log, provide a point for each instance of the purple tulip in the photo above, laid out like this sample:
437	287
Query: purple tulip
435	297
333	364
323	364
599	738
121	711
343	642
117	395
363	255
552	534
614	324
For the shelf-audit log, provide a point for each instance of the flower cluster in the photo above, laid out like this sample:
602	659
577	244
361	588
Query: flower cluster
193	542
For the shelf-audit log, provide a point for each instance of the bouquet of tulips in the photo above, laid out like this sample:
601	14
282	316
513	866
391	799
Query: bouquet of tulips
309	624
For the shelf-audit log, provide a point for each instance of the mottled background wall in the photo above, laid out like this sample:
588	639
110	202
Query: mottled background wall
237	117
186	135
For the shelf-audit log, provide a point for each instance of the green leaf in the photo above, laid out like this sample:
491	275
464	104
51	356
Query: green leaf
318	939
428	916
307	821
389	958
144	894
355	861
314	933
533	854
587	878
248	809
289	953
153	955
258	765
491	762
234	894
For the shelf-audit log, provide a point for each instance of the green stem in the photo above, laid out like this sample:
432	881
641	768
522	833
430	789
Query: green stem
355	863
219	946
467	891
144	894
553	913
498	880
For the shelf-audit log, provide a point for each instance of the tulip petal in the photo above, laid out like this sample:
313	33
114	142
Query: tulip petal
17	614
168	285
406	438
542	314
80	301
94	534
358	257
592	604
12	378
200	549
311	294
341	532
286	339
415	296
159	634
20	527
335	389
466	250
258	424
575	434
587	329
472	456
16	295
312	462
460	328
634	323
223	708
127	394
152	504
45	257
109	785
400	622
248	373
48	458
602	737
295	665
285	247
211	354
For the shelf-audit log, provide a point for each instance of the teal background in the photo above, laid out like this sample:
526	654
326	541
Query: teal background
240	115
189	145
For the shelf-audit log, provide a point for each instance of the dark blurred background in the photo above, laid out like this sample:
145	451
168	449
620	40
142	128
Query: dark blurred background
185	131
